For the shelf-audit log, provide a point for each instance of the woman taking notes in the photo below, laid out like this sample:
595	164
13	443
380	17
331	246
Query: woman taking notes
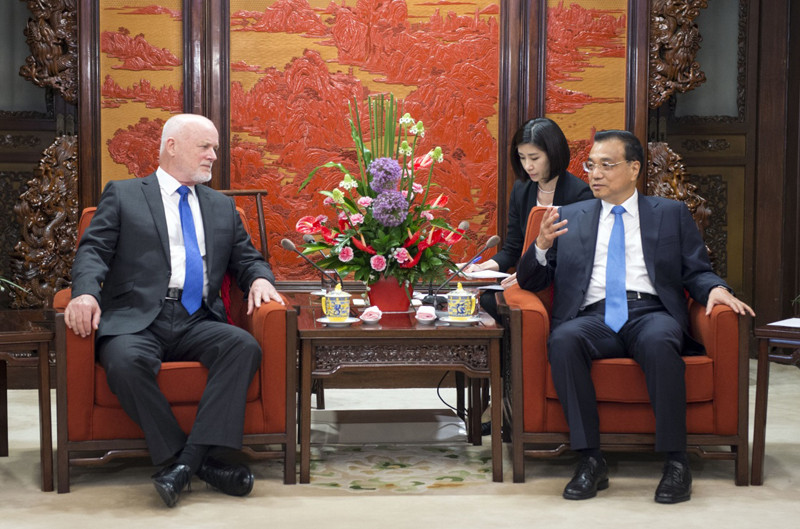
540	157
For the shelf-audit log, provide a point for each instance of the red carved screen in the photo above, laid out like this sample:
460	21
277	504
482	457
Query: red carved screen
141	71
295	64
586	66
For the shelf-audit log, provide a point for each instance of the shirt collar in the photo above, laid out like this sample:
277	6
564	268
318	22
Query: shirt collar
631	205
168	183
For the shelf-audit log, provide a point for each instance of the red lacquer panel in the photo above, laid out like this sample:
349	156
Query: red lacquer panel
142	74
295	64
586	85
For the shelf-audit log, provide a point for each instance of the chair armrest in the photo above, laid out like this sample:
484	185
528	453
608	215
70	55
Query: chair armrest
528	330
719	334
268	324
75	367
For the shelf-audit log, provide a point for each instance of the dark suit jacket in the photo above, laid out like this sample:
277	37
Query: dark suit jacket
674	254
569	189
123	257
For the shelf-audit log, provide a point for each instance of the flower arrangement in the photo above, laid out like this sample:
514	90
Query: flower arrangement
386	224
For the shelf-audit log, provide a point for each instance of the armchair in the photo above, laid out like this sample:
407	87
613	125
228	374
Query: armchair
716	386
94	429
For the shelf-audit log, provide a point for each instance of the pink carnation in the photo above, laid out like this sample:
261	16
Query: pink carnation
346	255
427	214
417	188
364	202
356	219
328	201
378	263
401	255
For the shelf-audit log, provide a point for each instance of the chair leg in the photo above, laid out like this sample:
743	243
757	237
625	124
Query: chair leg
62	464
741	466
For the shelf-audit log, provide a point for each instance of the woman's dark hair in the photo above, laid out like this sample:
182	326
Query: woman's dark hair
547	136
633	147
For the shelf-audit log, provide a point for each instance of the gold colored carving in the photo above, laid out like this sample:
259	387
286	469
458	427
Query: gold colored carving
48	215
666	177
52	35
674	42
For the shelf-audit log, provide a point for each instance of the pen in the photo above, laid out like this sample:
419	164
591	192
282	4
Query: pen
475	260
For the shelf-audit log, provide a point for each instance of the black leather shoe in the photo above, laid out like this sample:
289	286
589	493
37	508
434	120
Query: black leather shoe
170	481
676	483
235	480
590	476
486	428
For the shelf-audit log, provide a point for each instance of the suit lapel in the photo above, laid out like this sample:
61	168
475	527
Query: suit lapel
587	223
152	195
209	217
649	226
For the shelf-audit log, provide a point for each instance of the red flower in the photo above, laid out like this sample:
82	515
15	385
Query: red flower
310	225
421	162
361	245
440	202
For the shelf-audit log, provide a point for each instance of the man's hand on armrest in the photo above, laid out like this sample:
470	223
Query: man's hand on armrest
720	295
261	291
82	315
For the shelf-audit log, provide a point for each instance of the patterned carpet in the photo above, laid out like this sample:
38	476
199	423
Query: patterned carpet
400	468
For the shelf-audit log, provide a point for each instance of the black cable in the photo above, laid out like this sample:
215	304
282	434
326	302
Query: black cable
438	394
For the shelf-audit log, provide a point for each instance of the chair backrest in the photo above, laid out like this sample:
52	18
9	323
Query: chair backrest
531	232
532	228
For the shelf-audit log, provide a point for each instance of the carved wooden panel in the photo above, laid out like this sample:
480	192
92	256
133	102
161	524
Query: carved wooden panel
666	177
329	358
47	214
674	41
52	36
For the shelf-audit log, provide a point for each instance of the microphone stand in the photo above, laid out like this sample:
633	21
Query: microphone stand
309	239
289	245
436	300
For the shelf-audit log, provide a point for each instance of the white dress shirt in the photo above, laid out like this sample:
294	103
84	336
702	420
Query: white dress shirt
177	252
636	278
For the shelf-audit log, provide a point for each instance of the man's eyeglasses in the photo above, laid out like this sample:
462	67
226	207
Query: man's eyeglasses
603	166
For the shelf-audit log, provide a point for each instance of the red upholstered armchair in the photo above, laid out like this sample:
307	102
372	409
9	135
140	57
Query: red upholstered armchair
716	386
94	429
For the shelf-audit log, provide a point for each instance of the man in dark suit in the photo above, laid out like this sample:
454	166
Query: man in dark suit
147	277
619	266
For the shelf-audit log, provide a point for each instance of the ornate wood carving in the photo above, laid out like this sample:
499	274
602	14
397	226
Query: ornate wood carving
714	188
666	177
52	35
329	358
674	41
709	145
48	215
14	141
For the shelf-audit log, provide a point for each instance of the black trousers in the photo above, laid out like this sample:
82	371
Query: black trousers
132	362
652	337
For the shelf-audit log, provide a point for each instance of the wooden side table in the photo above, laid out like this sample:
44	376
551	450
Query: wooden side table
771	338
18	333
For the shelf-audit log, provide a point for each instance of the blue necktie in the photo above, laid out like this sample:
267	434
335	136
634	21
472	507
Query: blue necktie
192	295
616	297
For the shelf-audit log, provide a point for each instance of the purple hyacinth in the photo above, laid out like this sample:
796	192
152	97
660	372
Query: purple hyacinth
390	208
385	173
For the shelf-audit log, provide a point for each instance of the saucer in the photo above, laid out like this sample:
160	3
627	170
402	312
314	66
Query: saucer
460	323
344	323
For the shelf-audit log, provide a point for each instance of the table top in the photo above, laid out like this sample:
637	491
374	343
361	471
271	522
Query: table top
25	326
391	324
777	332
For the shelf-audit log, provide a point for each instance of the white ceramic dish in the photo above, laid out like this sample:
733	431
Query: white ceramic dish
425	321
344	323
461	323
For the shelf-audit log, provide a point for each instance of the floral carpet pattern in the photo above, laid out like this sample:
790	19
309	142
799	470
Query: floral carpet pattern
400	468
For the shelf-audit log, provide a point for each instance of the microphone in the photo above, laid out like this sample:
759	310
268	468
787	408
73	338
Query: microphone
289	245
435	299
309	239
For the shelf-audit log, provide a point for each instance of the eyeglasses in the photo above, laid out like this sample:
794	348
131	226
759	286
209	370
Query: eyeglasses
603	166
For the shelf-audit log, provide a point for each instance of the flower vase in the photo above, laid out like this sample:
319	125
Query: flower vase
389	295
